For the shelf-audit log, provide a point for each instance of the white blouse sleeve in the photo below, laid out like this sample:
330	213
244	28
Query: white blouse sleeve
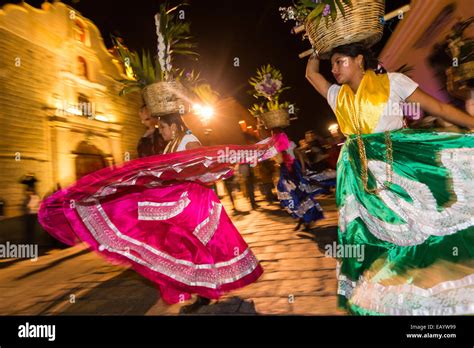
401	85
188	138
333	91
191	138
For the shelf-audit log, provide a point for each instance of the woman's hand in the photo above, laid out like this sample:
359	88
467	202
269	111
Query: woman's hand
444	111
315	78
312	67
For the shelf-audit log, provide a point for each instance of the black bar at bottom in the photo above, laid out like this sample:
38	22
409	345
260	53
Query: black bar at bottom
222	330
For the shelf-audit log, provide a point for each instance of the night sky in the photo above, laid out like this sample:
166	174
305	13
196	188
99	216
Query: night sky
251	30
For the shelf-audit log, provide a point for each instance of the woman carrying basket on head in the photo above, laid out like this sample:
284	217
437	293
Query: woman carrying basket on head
404	196
158	215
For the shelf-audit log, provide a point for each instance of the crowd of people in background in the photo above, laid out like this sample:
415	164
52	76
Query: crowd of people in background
315	154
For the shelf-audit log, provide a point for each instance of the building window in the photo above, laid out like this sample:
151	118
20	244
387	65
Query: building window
84	105
82	67
79	31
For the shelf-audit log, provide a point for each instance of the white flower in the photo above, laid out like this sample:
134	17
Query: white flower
168	59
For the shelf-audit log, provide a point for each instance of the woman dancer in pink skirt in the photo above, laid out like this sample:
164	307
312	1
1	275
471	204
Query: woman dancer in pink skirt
159	215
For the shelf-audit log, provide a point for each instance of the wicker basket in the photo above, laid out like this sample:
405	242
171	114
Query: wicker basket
275	119
362	23
164	97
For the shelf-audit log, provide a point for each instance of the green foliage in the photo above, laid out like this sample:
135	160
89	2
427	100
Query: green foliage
308	10
142	67
173	39
176	33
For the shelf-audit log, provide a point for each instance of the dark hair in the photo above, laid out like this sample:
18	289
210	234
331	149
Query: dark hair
276	130
354	49
174	118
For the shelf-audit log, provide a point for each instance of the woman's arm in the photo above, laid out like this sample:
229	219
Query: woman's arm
315	78
193	145
444	111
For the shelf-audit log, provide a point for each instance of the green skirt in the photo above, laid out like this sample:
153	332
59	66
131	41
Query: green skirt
409	249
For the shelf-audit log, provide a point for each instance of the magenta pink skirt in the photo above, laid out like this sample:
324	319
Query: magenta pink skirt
159	215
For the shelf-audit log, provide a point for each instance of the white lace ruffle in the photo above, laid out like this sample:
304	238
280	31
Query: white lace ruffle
422	217
454	297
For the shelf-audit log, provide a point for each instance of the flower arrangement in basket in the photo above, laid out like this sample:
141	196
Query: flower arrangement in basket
346	21
159	81
267	87
313	10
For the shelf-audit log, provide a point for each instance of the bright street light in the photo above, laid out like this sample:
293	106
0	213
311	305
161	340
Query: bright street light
334	128
204	111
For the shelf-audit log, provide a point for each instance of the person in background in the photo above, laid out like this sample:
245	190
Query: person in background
301	152
334	145
247	174
29	180
265	172
152	142
315	152
248	178
31	206
229	188
296	194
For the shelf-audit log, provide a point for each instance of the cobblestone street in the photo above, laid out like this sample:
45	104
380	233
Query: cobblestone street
297	280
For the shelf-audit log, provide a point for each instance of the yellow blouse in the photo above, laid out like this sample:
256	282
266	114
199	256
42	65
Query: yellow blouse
364	109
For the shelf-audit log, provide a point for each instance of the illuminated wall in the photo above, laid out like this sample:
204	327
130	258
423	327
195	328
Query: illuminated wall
417	33
59	98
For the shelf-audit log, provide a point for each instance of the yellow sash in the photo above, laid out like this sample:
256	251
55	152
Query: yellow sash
364	109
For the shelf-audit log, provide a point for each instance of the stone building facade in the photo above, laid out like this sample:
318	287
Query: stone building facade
61	115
